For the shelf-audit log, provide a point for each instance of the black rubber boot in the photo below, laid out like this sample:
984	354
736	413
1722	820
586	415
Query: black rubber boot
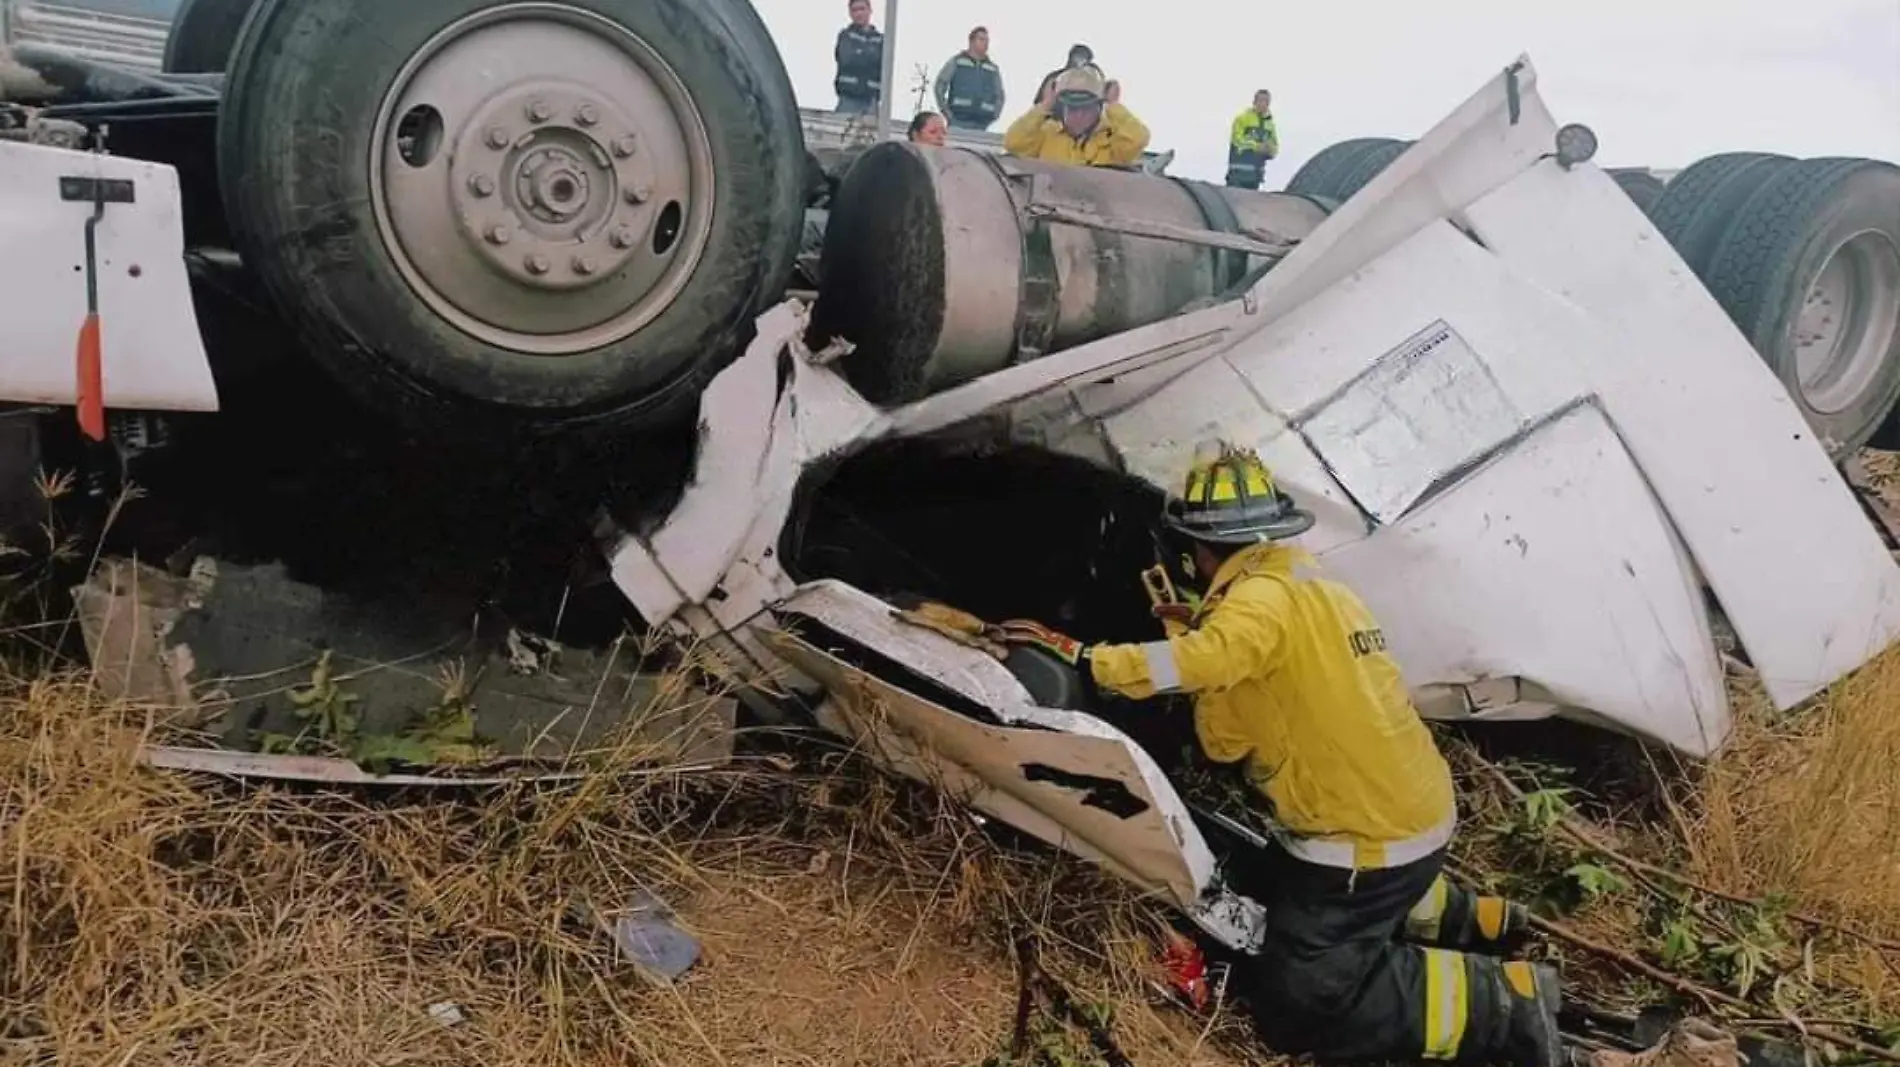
1532	1038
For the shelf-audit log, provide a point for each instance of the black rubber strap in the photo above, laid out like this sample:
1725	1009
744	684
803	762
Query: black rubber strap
1229	266
1041	289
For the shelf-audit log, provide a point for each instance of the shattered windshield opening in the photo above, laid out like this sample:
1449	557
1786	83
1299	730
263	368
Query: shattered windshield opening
1017	532
1014	533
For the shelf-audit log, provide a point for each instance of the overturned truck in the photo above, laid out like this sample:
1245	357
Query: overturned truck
1534	440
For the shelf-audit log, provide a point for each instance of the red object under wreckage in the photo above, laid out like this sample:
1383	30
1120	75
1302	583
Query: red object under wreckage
1186	969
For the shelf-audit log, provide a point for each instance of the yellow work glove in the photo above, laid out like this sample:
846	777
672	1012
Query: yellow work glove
1033	634
950	618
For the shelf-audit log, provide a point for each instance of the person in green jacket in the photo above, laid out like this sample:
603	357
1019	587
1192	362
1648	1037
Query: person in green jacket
1252	141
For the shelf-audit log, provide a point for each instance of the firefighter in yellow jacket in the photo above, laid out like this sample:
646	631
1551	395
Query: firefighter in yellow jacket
1370	954
1072	123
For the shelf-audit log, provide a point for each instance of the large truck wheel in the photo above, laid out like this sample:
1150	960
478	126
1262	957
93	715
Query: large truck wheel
1697	206
202	35
543	216
1322	175
1642	187
1367	165
1810	271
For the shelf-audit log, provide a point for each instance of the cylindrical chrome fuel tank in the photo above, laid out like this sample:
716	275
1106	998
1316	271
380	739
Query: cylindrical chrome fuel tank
938	270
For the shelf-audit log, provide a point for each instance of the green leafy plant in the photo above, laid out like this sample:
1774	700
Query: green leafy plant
1541	811
444	734
1752	953
1594	880
1681	941
325	708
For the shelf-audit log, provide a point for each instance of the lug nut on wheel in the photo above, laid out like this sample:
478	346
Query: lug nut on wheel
638	194
539	111
497	137
536	264
587	114
622	237
481	185
624	146
583	265
500	234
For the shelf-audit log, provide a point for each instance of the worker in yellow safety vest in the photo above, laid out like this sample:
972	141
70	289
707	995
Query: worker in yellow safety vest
1369	954
1072	123
1251	142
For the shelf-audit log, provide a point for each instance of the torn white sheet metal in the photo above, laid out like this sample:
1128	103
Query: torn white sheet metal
1706	424
325	770
1495	437
152	355
758	435
1552	593
1063	776
318	769
1801	573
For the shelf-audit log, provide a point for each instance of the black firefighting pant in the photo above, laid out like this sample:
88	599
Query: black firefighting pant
1381	965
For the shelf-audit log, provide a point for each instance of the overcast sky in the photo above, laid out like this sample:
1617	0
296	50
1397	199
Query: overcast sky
1663	82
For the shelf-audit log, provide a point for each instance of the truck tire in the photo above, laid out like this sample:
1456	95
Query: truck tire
1810	272
495	217
1367	165
1640	186
202	35
1321	175
1698	204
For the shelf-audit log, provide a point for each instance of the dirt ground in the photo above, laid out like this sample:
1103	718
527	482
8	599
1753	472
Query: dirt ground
155	918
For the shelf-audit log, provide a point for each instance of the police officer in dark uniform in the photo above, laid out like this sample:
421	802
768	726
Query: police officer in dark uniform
970	85
860	57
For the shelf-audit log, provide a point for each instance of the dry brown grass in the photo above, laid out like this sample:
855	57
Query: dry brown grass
1809	805
1789	841
152	918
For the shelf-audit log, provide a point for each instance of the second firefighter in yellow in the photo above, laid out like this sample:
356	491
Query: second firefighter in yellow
1074	124
1370	954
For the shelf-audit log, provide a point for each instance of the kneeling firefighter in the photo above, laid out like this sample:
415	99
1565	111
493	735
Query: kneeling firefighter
1370	954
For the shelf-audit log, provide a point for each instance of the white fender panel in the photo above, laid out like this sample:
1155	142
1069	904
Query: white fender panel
1801	573
1553	563
152	355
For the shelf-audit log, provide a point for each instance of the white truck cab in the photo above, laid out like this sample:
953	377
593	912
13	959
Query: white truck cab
1533	441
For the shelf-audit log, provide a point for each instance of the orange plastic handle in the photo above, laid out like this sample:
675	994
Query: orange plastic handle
92	384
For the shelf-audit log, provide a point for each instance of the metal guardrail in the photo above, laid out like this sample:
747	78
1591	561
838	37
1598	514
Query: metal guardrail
133	41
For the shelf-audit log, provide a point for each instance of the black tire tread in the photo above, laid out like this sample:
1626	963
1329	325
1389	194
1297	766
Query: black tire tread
202	35
1369	165
1321	174
1642	187
1696	206
1754	272
1751	263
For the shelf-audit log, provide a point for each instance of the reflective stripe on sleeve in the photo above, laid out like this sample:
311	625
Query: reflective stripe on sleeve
1163	673
1427	915
1447	1002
